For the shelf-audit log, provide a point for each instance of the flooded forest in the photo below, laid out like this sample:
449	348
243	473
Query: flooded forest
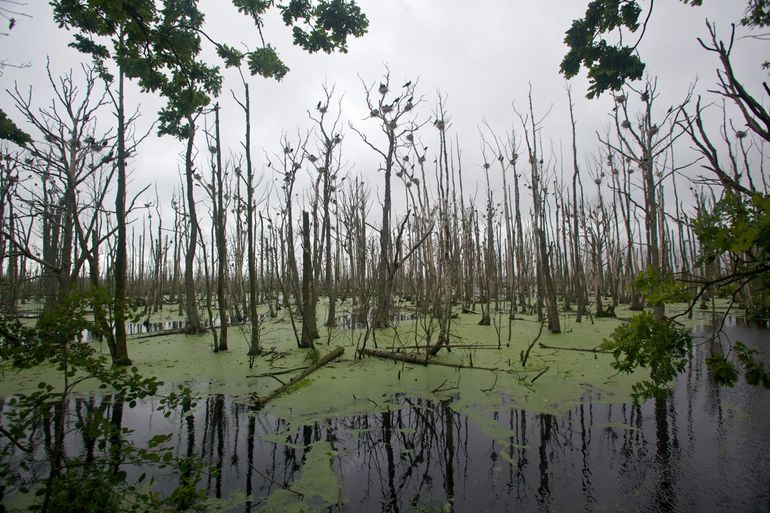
380	310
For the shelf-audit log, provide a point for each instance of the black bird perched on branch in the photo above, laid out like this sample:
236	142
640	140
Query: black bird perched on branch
383	88
408	84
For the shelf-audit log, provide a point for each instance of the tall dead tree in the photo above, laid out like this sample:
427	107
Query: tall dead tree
489	252
216	191
287	164
643	141
577	264
64	165
446	239
327	165
191	176
392	114
249	205
546	289
309	329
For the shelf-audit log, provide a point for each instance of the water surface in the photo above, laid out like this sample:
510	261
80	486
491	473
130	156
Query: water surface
702	448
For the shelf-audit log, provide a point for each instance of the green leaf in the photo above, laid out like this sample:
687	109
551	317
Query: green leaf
266	63
722	370
658	346
10	132
230	55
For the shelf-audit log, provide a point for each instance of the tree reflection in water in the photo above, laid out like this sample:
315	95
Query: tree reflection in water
701	448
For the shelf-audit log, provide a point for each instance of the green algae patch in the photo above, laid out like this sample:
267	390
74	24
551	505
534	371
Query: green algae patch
553	381
735	409
317	489
282	438
487	425
351	388
299	385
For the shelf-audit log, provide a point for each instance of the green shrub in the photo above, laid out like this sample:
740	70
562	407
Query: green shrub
659	346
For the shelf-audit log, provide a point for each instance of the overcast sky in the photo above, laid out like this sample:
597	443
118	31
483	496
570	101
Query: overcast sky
482	55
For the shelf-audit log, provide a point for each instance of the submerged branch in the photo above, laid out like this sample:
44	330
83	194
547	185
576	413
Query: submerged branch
259	402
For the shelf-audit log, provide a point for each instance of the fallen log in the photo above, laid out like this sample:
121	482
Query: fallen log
491	369
420	359
582	350
259	402
455	345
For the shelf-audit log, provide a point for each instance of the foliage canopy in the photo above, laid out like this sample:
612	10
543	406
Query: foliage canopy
660	346
609	64
159	43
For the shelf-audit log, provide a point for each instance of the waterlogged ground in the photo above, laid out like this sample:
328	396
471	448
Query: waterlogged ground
377	435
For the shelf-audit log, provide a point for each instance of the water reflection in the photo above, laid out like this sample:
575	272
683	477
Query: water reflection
349	320
146	327
701	448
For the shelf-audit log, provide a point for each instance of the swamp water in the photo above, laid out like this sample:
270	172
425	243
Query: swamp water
703	448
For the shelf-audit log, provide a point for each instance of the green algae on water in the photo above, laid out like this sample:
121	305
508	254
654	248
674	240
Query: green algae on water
317	489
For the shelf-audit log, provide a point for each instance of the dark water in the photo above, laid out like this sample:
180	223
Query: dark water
702	449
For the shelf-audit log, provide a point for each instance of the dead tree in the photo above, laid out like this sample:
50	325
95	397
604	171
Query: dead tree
546	289
287	164
215	188
309	329
642	141
489	252
249	205
395	122
577	264
328	166
63	164
446	238
191	176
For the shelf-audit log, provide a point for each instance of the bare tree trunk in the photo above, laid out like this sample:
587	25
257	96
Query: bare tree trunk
489	256
309	329
191	303
546	289
220	231
254	342
520	263
578	277
120	351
